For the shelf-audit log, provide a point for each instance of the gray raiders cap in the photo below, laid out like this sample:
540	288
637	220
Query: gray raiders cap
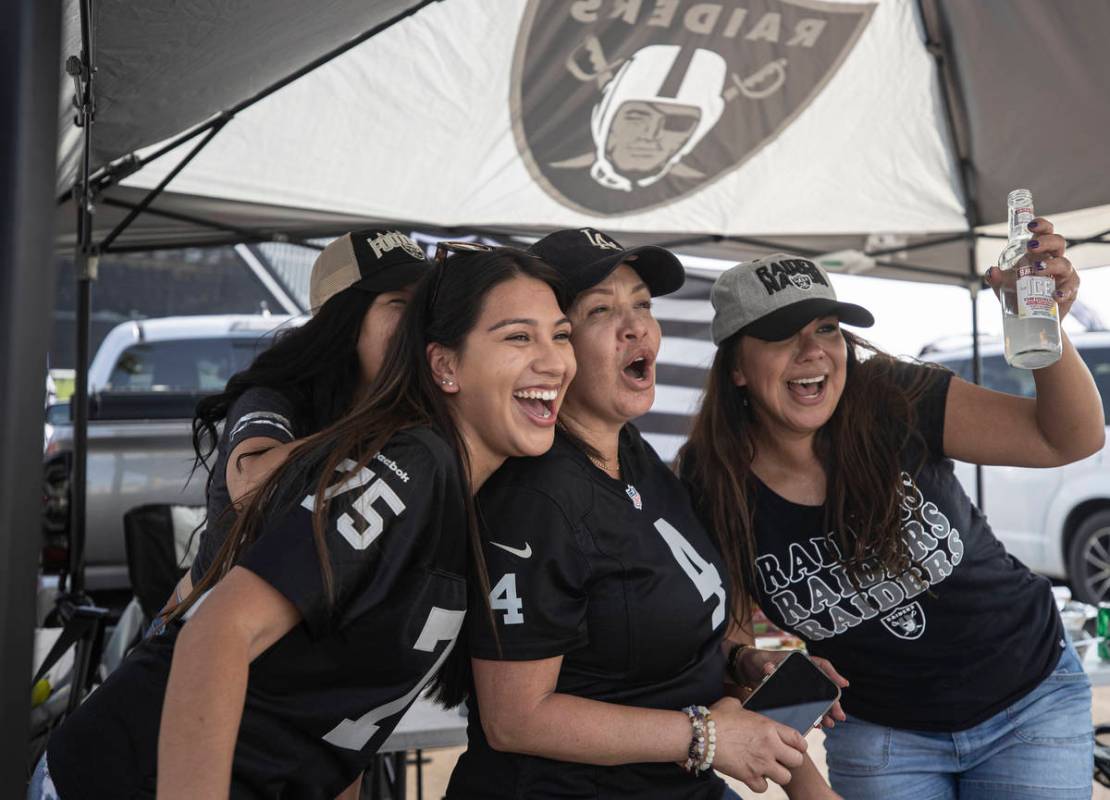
774	297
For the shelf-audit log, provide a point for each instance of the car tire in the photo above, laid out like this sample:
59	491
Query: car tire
1089	559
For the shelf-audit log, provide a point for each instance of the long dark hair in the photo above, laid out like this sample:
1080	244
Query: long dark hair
405	394
315	365
861	460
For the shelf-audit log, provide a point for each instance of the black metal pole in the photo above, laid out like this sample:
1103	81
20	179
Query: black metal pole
29	56
976	363
932	20
85	262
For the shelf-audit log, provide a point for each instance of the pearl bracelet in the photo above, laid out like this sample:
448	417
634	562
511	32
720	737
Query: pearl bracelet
703	741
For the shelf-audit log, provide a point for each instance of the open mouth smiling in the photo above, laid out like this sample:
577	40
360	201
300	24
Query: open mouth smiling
811	387
537	403
639	369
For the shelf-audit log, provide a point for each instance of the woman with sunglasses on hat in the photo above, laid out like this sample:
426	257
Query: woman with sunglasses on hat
339	591
603	674
824	468
308	379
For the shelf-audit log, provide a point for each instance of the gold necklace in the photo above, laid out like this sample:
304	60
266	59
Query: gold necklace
601	463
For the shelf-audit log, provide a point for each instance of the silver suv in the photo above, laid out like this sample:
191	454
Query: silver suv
1057	521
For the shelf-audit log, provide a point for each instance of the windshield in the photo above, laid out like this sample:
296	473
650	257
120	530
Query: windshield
184	365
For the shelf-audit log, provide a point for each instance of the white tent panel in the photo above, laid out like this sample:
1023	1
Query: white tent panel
416	124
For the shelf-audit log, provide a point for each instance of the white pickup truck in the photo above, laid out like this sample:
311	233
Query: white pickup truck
144	384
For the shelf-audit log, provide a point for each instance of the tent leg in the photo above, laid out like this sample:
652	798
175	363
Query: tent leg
29	78
976	368
86	268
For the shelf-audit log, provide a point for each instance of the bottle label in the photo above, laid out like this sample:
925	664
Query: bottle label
1036	297
1019	224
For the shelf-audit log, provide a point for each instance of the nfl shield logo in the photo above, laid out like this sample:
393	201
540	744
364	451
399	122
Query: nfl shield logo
634	496
622	106
907	622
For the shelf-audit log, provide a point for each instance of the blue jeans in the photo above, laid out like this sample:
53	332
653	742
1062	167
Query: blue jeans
41	787
1040	747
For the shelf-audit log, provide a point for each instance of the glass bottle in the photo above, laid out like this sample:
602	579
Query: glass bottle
1030	318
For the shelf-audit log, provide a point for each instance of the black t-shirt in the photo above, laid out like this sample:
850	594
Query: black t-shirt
621	580
258	412
324	697
943	654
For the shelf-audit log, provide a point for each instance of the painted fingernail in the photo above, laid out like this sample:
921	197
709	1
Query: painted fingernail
1032	225
1041	265
1034	244
1060	293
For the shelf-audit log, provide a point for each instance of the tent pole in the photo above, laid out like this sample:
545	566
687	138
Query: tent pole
85	263
976	368
106	179
30	41
157	190
242	234
936	42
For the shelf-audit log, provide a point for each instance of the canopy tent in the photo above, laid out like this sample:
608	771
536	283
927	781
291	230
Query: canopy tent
889	128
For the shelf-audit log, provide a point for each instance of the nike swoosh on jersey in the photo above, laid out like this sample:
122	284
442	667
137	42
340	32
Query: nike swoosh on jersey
523	552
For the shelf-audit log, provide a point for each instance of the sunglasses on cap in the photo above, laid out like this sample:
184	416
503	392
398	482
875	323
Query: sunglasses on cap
445	249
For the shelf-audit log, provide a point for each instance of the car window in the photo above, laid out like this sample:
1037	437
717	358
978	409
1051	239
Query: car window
185	365
58	414
1098	362
1001	377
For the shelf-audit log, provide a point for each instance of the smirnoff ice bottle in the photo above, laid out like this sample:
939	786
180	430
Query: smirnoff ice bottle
1030	319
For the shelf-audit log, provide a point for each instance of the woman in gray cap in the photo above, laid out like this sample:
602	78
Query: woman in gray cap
602	674
823	467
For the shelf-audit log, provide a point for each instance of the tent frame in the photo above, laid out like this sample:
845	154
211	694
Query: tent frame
87	190
29	47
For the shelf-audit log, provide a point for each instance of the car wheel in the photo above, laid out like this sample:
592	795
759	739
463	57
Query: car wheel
1089	559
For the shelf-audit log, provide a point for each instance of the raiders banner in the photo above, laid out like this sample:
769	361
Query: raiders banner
620	106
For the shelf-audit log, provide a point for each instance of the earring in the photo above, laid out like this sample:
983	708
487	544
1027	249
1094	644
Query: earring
447	382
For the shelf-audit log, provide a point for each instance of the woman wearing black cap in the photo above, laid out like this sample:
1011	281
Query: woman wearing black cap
603	674
829	484
339	592
308	379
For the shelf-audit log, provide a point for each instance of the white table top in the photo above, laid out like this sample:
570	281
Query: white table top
427	725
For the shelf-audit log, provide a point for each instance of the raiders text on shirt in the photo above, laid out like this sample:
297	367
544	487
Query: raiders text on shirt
832	609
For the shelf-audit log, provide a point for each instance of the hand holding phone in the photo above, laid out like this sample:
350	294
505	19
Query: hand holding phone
797	694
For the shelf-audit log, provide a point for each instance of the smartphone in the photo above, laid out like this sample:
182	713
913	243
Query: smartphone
797	694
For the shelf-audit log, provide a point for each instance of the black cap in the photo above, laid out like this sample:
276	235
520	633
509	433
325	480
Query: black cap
586	256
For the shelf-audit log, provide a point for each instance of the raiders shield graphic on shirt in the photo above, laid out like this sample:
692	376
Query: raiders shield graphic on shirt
907	622
623	105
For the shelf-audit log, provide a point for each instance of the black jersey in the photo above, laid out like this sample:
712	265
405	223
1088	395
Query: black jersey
621	580
258	412
940	650
324	697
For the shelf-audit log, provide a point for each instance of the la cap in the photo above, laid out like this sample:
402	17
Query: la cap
586	256
374	260
775	296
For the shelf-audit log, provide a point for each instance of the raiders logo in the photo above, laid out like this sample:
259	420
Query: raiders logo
906	622
619	106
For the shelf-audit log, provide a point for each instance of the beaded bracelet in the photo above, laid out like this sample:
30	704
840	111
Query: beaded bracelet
703	741
733	662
